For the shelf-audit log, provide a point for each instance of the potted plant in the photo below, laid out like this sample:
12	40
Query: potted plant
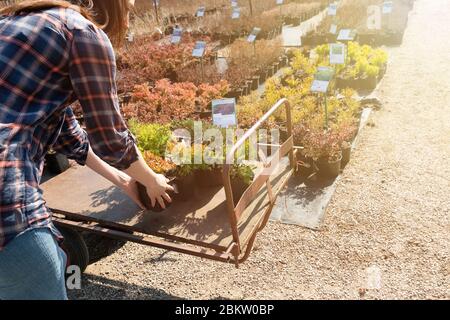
346	131
160	166
324	147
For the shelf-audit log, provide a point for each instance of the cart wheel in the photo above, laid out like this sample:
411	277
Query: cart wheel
100	247
75	248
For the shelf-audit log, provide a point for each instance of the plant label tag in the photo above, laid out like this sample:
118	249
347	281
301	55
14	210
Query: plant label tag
346	35
280	2
387	7
253	35
333	29
201	12
130	37
332	9
236	13
320	86
234	3
322	79
337	53
176	35
199	49
224	112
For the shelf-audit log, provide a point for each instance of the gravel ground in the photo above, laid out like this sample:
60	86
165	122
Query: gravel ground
387	232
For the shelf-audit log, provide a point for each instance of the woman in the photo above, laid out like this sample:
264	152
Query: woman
53	53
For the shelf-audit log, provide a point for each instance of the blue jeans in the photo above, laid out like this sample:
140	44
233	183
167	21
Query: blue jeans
32	267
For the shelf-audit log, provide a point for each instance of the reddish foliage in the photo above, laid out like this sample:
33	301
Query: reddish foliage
168	101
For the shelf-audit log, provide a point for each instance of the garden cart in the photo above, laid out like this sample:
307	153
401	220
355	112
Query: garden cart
210	226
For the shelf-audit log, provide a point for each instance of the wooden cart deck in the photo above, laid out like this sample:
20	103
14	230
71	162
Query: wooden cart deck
203	219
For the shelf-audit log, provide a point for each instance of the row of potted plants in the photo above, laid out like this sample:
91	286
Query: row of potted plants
145	60
190	179
355	15
363	69
165	101
324	148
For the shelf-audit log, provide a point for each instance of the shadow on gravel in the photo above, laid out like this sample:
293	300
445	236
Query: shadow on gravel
101	288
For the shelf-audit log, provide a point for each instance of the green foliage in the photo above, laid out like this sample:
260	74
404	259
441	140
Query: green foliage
243	172
151	136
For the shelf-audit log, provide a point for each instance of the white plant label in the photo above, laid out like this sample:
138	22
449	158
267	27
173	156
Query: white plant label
337	53
280	2
130	37
332	9
322	79
320	86
224	112
201	12
333	29
346	35
234	3
199	49
387	7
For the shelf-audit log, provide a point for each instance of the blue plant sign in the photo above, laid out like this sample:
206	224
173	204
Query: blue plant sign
252	37
236	14
200	12
199	49
176	35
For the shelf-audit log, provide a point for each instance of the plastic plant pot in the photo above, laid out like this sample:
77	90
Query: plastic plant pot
328	169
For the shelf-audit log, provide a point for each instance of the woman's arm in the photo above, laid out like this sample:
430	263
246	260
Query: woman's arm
127	182
92	74
120	179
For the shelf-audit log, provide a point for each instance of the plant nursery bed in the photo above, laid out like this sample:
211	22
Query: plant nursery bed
304	201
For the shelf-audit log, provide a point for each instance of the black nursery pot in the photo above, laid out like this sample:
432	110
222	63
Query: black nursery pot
146	200
327	169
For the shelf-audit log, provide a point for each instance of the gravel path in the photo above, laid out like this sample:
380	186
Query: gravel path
387	231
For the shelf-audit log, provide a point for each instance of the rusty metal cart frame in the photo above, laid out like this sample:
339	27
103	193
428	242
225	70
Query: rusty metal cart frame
238	250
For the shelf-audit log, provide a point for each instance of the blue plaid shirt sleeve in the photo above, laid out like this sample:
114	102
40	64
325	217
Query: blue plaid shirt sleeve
72	140
92	73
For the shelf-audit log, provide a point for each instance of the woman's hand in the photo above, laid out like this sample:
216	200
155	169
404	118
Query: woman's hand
157	188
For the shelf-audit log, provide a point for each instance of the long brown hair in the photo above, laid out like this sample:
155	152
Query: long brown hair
110	15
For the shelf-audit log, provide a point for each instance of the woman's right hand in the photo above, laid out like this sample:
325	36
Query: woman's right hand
157	190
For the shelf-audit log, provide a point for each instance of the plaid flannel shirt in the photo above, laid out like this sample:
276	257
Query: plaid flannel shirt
48	60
